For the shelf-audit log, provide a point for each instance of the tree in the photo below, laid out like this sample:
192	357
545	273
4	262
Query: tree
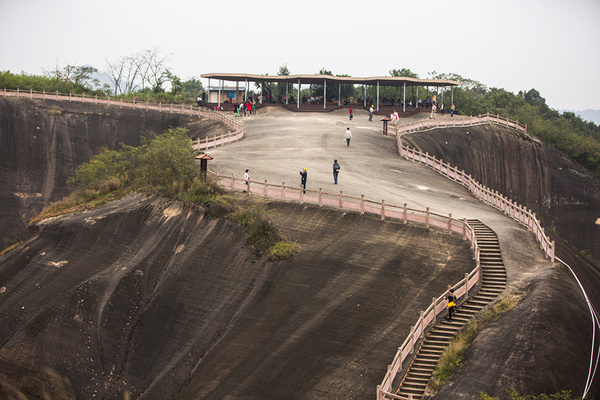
192	87
281	87
403	72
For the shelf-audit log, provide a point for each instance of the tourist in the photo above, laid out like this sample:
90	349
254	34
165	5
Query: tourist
303	175
451	304
336	171
371	113
452	108
348	136
350	113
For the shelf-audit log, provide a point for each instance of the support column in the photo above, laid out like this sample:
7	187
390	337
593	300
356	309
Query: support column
220	91
365	98
237	90
377	95
404	99
287	96
452	95
246	87
262	92
298	99
324	94
339	94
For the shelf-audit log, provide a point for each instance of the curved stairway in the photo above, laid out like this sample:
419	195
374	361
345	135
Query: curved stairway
493	282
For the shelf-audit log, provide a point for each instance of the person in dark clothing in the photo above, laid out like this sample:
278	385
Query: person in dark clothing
303	175
451	304
336	171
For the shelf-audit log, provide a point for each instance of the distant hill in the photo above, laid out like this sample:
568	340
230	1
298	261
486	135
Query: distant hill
588	115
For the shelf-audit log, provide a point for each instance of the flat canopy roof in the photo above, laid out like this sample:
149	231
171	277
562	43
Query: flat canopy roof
317	79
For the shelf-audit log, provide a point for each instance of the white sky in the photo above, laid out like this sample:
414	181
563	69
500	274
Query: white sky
550	45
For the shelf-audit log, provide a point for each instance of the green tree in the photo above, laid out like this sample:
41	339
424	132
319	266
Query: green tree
192	88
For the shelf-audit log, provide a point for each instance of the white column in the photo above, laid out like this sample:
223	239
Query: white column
377	95
237	90
452	95
365	98
287	96
324	94
339	93
246	89
262	92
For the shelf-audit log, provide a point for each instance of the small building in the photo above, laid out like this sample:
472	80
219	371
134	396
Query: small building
225	94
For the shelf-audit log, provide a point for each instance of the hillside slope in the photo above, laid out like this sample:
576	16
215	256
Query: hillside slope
145	295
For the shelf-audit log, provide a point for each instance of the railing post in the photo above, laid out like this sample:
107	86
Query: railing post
44	94
96	100
31	93
232	182
83	97
450	223
18	93
553	253
412	339
464	229
320	197
160	106
466	284
382	210
265	193
422	324
434	305
362	204
427	218
283	190
341	204
171	109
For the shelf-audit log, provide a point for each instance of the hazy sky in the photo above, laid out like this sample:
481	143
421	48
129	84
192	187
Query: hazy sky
550	45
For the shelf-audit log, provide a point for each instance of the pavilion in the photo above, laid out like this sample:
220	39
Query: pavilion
386	81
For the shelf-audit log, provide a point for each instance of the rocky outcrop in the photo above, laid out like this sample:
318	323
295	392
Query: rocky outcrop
564	195
44	141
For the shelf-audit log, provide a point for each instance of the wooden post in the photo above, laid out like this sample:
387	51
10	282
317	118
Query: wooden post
464	229
382	210
283	190
171	109
427	218
412	339
341	200
422	324
160	106
450	223
232	182
96	100
31	93
320	197
405	214
265	193
466	284
434	304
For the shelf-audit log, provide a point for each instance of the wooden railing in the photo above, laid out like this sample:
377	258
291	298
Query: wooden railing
199	144
493	198
427	124
384	210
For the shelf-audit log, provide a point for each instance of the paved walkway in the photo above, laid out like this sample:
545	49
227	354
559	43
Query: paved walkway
279	143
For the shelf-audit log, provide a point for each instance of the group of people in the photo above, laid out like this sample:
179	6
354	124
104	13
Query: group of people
244	109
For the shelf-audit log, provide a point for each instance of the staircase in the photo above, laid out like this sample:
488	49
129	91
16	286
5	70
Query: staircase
439	337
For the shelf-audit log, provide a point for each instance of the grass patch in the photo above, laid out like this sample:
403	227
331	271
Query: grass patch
9	248
78	201
453	355
262	233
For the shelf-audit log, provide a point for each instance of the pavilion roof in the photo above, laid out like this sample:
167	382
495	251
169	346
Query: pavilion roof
317	79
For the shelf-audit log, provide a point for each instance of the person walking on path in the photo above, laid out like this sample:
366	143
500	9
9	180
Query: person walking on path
433	110
303	175
350	113
247	180
371	113
452	110
336	171
442	108
348	136
451	304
